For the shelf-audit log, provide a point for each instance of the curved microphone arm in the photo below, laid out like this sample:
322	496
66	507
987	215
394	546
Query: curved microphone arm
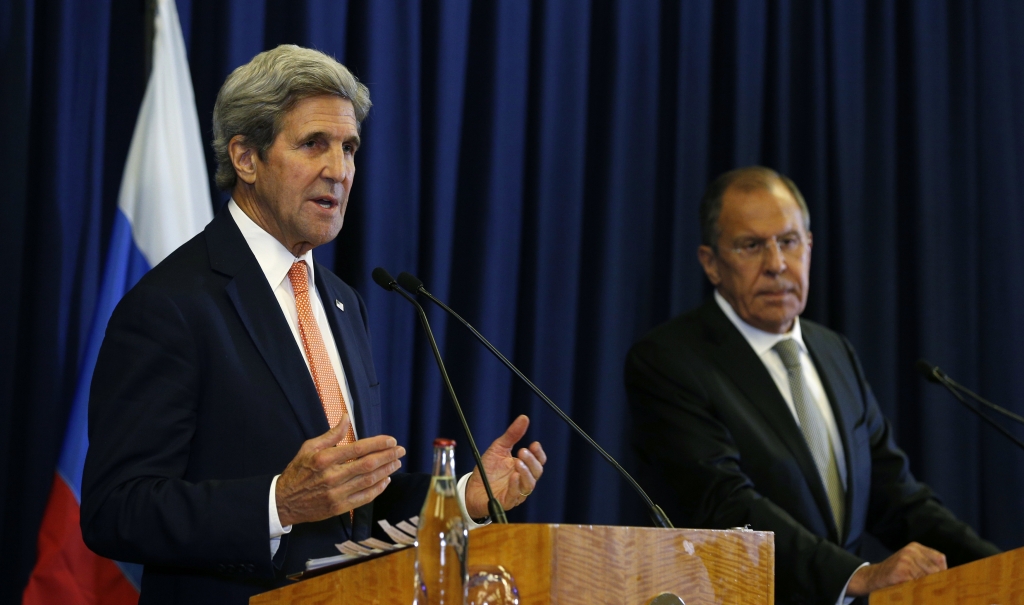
410	283
934	374
384	280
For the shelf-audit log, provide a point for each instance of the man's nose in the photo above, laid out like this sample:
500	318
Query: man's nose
774	259
337	165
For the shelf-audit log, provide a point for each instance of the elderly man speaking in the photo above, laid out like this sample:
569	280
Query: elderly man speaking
234	419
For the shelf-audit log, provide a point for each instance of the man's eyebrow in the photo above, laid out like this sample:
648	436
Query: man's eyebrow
316	134
751	236
321	134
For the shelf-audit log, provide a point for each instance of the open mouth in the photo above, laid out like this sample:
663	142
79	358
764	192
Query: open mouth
325	202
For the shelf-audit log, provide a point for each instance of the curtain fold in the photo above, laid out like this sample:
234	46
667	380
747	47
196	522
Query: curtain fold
538	165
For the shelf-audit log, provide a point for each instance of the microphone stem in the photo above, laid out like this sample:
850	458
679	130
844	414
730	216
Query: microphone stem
657	514
948	383
982	400
497	513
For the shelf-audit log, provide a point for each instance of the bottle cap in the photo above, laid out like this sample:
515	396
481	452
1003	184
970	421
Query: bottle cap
442	442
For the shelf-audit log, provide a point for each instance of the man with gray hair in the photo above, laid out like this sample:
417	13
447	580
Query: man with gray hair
746	414
234	418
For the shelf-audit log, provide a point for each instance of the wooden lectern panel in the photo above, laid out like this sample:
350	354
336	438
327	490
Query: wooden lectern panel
995	580
575	564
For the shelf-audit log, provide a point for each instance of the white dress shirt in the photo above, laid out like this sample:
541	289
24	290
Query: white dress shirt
762	343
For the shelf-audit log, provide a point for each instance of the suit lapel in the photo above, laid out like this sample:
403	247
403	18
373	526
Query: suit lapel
737	360
819	351
261	315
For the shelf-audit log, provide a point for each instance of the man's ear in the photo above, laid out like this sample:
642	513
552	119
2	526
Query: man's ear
243	158
709	260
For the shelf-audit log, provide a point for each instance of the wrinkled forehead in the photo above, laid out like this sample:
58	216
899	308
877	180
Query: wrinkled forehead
762	209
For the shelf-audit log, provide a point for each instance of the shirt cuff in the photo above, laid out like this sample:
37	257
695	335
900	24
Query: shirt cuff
843	599
470	523
276	531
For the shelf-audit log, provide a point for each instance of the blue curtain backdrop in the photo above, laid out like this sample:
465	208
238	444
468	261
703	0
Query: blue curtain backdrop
538	165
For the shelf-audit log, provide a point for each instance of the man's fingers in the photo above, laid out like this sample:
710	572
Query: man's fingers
332	437
538	452
357	450
532	464
527	481
513	434
359	476
346	468
321	483
346	501
927	560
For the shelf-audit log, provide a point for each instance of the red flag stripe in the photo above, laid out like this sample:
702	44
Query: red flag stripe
66	571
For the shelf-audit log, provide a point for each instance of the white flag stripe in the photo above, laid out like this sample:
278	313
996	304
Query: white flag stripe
165	190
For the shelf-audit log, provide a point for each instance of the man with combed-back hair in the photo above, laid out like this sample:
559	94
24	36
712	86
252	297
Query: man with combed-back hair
746	414
234	418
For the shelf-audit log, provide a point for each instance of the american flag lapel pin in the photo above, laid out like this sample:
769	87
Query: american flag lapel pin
339	304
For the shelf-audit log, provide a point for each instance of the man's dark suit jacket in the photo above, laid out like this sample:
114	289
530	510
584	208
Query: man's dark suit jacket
719	448
200	396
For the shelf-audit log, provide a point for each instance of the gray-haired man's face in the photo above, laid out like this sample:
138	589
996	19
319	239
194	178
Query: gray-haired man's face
300	188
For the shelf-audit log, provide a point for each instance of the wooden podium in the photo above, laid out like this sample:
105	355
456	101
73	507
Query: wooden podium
995	580
575	564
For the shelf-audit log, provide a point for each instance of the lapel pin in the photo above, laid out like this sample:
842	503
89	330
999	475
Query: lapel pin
339	304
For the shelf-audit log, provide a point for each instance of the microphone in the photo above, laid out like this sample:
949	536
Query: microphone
384	280
934	374
410	283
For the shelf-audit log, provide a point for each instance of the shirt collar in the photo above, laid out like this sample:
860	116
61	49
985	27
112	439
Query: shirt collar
759	340
273	257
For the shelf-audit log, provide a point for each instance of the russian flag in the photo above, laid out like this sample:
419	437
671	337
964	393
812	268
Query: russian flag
164	200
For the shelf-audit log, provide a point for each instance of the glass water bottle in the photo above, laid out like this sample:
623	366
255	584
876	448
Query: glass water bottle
443	538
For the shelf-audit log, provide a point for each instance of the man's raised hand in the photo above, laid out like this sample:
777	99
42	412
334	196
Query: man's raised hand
326	479
512	478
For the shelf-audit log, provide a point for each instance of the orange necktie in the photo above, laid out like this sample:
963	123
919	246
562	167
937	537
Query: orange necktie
319	363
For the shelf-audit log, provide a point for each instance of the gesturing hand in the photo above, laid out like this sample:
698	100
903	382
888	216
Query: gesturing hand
512	478
911	562
325	479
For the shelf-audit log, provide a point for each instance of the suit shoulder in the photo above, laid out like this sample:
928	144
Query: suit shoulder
684	328
679	342
184	275
189	258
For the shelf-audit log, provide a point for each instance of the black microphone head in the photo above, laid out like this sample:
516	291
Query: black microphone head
929	371
383	278
409	282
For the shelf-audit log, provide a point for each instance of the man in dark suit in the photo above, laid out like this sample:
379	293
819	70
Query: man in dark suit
234	419
746	414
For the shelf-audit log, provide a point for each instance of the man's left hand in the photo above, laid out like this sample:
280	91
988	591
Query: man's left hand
512	478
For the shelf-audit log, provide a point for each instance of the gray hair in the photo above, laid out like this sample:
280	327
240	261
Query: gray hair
746	179
256	96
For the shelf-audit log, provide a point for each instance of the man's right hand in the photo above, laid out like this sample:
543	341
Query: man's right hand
326	479
911	562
